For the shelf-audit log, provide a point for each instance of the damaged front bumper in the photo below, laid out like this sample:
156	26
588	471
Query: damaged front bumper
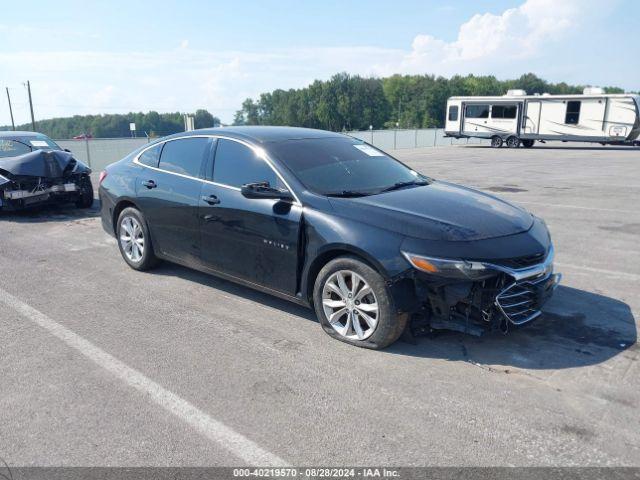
504	298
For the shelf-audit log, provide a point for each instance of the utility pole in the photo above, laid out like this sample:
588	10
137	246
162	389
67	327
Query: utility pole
33	121
13	125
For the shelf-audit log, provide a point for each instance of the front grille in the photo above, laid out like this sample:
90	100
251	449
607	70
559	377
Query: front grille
519	301
523	262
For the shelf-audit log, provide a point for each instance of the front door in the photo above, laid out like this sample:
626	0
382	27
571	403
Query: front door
169	196
252	239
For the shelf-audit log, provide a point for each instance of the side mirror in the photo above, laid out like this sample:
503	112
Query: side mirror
264	190
67	150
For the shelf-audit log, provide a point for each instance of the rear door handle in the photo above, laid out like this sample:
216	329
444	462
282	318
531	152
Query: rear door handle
150	184
210	199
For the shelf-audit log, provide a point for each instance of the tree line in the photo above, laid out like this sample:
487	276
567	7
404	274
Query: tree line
344	102
352	102
152	123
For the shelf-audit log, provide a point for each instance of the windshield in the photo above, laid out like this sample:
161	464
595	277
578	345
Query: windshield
22	145
343	166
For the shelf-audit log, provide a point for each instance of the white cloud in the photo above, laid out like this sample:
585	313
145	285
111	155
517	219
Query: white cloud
517	33
183	79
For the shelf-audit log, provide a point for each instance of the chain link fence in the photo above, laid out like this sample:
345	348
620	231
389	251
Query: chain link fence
100	152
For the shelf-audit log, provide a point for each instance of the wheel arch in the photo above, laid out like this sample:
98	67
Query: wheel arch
328	254
118	208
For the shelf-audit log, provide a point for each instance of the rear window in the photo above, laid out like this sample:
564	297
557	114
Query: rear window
151	156
185	156
477	111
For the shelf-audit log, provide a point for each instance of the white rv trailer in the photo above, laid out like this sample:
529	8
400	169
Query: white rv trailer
520	119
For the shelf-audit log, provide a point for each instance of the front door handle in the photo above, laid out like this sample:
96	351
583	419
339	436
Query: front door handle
210	199
150	184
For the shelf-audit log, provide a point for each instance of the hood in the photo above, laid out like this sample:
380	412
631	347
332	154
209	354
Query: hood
43	163
439	211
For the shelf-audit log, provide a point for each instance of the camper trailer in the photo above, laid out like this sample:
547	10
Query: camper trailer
519	119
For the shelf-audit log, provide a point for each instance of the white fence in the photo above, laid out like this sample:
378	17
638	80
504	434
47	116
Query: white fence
100	152
419	138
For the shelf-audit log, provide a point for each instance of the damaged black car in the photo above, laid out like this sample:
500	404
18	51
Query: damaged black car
330	222
34	171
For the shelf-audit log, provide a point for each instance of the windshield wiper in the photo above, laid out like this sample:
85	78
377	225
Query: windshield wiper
399	185
347	193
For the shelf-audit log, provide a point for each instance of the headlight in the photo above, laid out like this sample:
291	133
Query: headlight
443	267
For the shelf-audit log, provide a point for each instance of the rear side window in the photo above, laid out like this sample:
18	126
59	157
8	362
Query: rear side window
151	156
236	164
453	113
504	111
573	113
185	156
477	111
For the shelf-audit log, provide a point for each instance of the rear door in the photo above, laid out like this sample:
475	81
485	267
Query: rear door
169	193
252	239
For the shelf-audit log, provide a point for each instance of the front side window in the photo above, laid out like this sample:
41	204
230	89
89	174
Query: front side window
151	156
453	113
504	111
340	164
477	111
236	164
185	156
11	148
572	116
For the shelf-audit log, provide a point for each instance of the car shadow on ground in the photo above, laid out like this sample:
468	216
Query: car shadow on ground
578	328
51	213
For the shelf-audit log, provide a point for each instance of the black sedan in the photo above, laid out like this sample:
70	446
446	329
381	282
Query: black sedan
328	221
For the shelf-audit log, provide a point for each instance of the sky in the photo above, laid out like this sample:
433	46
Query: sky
120	56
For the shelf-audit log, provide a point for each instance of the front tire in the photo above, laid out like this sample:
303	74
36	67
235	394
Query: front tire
496	141
85	197
134	240
354	305
527	143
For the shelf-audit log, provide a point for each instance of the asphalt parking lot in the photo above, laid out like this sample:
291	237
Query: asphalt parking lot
102	365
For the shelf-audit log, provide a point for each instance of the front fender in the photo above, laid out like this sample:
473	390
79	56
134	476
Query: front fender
327	236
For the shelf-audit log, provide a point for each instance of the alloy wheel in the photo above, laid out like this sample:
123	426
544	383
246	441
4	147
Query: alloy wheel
132	239
350	305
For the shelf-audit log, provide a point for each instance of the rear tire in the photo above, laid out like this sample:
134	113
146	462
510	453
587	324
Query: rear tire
496	141
527	143
134	240
85	197
354	305
513	142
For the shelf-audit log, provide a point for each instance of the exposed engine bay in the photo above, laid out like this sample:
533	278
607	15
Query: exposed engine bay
44	176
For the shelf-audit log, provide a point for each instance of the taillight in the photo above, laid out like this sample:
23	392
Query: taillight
103	175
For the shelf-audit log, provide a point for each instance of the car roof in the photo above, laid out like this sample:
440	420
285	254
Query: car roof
19	134
264	134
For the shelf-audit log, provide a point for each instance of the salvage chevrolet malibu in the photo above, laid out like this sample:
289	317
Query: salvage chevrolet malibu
328	221
34	170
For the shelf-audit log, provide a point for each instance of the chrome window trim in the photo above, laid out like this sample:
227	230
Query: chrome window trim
259	151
